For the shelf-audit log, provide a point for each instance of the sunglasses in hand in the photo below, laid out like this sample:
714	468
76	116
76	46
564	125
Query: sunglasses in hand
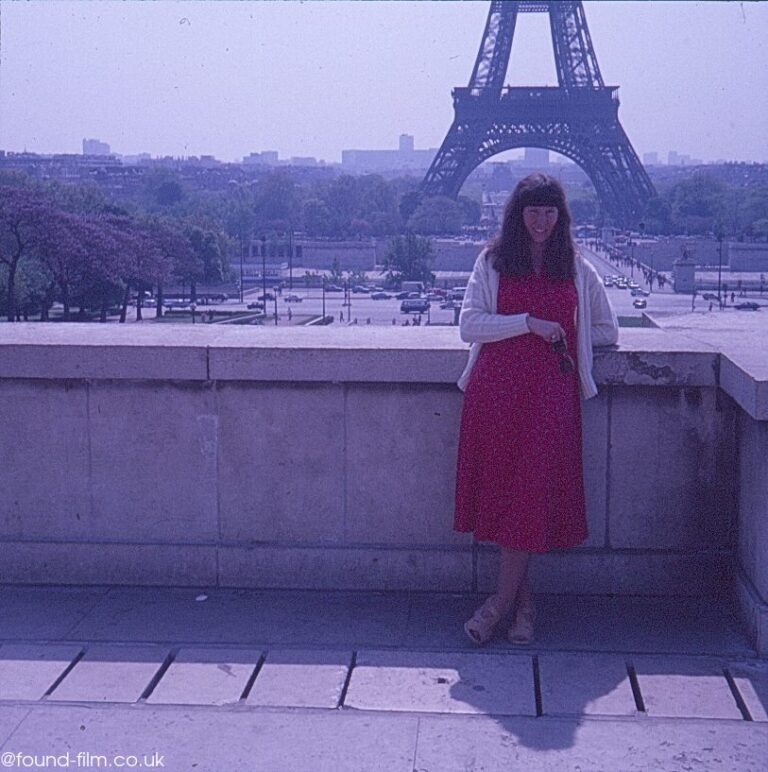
567	365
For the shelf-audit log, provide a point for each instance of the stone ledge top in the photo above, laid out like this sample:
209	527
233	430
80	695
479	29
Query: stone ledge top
741	338
644	356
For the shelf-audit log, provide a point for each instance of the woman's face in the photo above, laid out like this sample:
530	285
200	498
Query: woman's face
540	221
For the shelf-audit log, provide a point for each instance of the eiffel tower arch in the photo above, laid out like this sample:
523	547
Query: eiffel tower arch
578	118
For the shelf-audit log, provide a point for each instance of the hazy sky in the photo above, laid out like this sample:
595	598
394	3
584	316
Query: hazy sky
313	78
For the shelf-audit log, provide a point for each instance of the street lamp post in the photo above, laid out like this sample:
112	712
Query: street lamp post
264	270
323	298
290	259
720	268
242	248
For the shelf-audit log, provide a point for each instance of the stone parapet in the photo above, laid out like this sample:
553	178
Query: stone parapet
317	457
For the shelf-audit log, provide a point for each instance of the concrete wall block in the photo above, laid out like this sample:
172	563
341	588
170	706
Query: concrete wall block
281	461
130	564
401	464
753	502
352	568
124	351
747	384
664	490
754	613
153	461
589	572
44	468
595	459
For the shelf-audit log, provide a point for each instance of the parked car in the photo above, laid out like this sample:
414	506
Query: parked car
402	295
640	303
293	298
333	288
434	296
450	304
748	306
608	281
256	305
360	288
266	296
414	306
710	296
380	296
633	285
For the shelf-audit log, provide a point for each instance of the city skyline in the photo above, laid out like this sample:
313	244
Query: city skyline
247	77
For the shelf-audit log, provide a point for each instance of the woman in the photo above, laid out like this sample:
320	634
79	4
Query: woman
532	311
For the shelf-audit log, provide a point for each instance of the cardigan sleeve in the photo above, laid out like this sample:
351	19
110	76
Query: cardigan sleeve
478	320
604	326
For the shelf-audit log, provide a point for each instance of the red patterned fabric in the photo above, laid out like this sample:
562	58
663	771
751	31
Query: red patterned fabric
519	479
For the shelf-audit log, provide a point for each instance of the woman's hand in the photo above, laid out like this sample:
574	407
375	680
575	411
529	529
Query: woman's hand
549	331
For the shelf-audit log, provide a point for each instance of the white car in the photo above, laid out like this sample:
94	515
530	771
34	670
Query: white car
293	299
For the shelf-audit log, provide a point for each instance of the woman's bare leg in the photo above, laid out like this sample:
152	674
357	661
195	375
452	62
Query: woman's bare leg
513	572
524	594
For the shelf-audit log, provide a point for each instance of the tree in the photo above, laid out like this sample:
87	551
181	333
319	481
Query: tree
471	210
22	213
176	249
409	258
698	202
336	274
436	215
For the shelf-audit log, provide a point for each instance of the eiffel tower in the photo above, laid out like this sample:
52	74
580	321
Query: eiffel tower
578	118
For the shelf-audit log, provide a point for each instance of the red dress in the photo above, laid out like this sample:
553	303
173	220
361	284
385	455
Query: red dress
519	479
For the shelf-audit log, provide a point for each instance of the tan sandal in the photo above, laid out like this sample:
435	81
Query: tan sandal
480	628
520	632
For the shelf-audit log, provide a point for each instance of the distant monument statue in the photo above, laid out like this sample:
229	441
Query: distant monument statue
578	118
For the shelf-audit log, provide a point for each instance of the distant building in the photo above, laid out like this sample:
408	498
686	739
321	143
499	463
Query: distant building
265	158
95	147
650	159
537	157
680	159
302	161
405	158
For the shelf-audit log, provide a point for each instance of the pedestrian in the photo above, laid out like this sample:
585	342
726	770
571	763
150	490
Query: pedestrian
710	305
533	310
341	316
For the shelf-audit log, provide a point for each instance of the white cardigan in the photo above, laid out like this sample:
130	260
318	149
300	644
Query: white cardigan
479	323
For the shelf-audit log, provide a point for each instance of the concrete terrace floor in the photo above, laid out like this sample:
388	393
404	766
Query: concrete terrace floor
227	680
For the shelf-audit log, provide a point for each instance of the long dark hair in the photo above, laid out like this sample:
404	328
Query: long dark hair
510	251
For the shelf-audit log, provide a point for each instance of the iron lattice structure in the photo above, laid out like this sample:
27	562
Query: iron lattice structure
578	118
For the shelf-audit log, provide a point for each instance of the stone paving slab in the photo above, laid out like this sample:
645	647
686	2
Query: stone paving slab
578	684
453	744
206	677
336	619
592	623
111	674
442	683
171	614
28	670
751	680
685	687
47	612
308	679
219	740
10	718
